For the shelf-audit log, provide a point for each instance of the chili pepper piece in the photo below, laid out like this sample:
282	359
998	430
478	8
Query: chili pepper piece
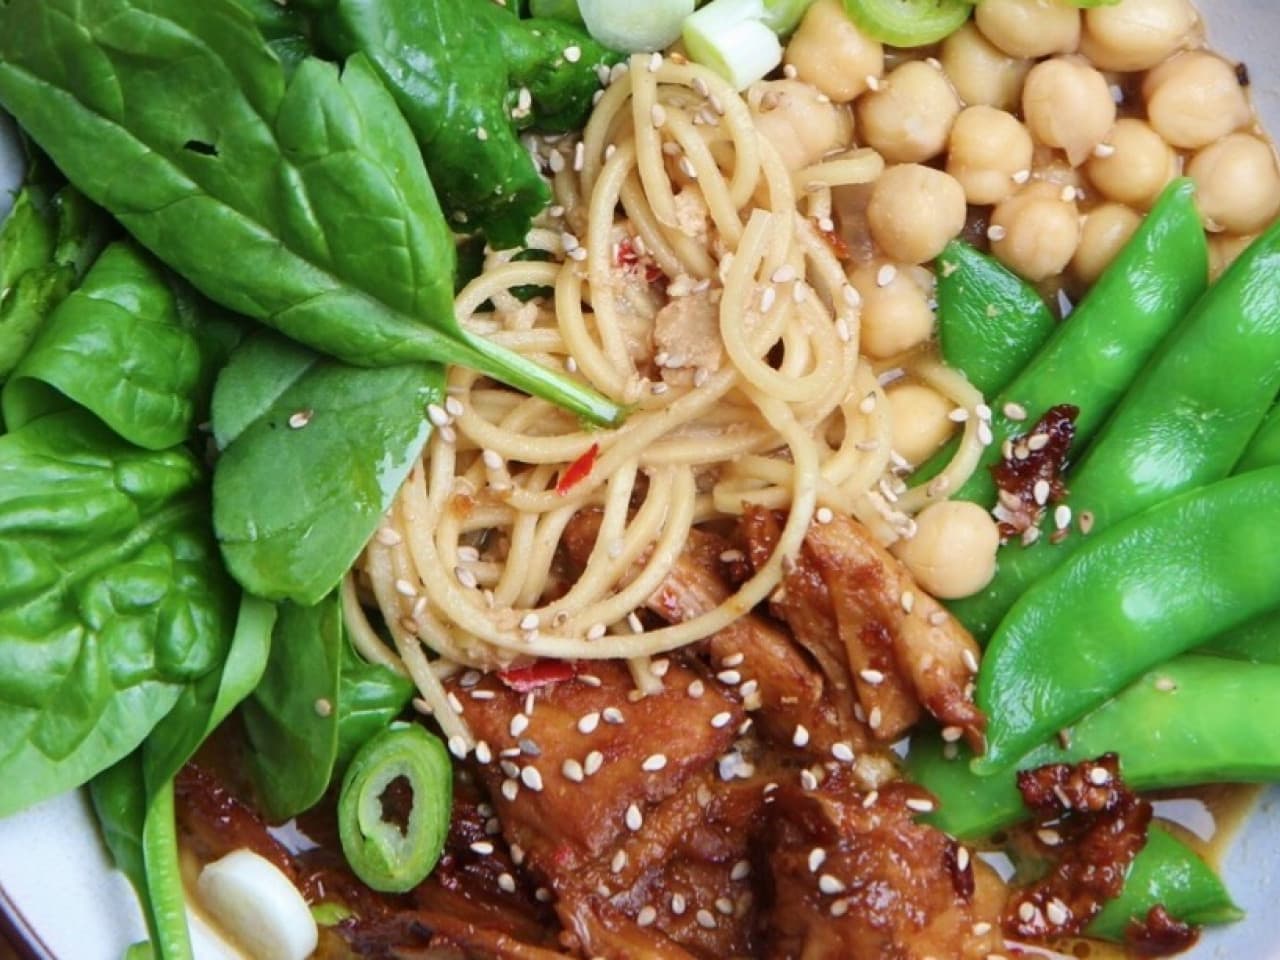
538	674
1130	598
990	321
578	471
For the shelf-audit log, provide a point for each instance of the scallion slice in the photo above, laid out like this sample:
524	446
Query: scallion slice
908	23
631	27
733	38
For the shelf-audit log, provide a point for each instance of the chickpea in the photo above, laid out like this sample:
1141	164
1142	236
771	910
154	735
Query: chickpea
1068	105
1030	28
1133	165
981	73
1035	232
921	420
800	123
1194	99
1136	34
953	553
915	211
909	118
1224	249
1237	184
896	314
1106	230
988	146
831	53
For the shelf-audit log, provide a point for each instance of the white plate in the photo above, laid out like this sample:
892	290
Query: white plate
58	888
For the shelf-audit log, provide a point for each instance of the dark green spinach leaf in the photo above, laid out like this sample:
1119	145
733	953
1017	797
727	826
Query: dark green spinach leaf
298	200
370	697
457	69
112	600
131	344
314	453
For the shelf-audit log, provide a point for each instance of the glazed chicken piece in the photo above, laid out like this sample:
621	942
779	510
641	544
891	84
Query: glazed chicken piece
901	646
635	813
855	878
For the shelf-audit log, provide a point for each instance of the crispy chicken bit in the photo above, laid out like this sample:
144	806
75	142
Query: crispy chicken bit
1159	935
898	642
618	806
686	334
1104	826
1030	477
855	878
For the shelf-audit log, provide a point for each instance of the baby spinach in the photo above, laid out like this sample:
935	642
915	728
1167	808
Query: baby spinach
457	69
370	697
313	452
112	599
298	199
131	344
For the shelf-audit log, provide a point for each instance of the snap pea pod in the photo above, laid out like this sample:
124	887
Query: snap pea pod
1170	729
1151	587
1182	425
1264	448
1257	641
990	321
1169	874
387	856
1092	358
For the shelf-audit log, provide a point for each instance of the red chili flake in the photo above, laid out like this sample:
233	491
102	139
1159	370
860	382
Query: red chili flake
578	471
1104	827
541	673
1037	456
1159	935
629	259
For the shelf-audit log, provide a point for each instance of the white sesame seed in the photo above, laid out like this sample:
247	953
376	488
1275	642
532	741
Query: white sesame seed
678	904
873	82
721	720
592	764
868	404
458	746
1062	517
506	883
1021	176
1015	411
808	780
962	859
981	929
817	857
851	295
844	330
725	906
970	660
1099	776
908	601
634	818
654	763
784	274
573	53
437	415
800	737
831	885
1027	911
300	419
482	847
886	275
706	920
657	115
996	233
952	734
530	621
840	908
741	870
696	689
842	752
646	916
1104	150
483	753
589	723
733	660
613	715
532	779
985	436
873	677
510	789
920	805
1040	492
824	515
729	677
655	62
874	718
572	770
619	862
1050	838
597	631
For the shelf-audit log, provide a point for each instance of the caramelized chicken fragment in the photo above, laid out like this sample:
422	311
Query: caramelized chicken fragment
854	877
901	646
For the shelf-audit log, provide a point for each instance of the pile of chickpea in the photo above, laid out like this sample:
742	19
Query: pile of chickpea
1039	129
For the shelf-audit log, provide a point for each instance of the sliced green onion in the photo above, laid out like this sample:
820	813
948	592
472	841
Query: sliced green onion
631	27
783	16
733	38
566	10
394	857
908	23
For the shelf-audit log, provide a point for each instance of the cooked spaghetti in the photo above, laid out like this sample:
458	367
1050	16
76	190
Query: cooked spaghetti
747	387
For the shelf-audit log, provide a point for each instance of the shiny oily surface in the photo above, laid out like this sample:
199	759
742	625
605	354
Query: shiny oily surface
56	880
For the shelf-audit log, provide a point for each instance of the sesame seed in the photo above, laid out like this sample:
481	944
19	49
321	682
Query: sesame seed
706	920
851	295
300	419
532	779
483	753
996	233
790	71
1026	911
657	115
619	862
654	763
506	883
725	906
843	329
573	53
530	621
634	818
1057	912
1099	776
482	847
970	660
592	764
519	724
938	618
389	538
729	677
436	414
466	578
831	885
981	929
1104	150
952	734
824	515
868	404
962	859
646	916
886	275
510	789
801	736
842	752
808	780
453	406
1069	194
678	904
784	274
1015	411
733	660
1062	517
492	459
1050	838
721	720
613	715
840	908
1021	176
696	689
1166	684
457	744
873	82
920	805
873	677
741	870
1040	492
589	723
633	622
597	631
655	62
908	601
817	857
873	720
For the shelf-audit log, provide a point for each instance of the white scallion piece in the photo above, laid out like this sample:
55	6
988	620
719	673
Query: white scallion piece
258	906
631	27
733	38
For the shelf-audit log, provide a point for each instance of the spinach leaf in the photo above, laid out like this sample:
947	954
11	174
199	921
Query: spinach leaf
370	697
112	600
291	720
456	67
294	504
298	200
131	345
285	29
46	243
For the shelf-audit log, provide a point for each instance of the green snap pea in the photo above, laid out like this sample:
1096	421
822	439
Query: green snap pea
1169	874
1264	448
1094	355
1170	729
1257	641
990	321
1182	425
1151	587
388	856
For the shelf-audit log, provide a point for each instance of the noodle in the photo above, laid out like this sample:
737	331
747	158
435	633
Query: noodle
773	405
